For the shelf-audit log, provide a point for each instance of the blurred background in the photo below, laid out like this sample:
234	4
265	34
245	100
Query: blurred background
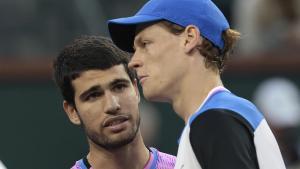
36	133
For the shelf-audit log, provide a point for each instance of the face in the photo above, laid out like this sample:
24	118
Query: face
106	106
157	60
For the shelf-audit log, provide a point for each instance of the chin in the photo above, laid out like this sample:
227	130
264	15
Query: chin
155	97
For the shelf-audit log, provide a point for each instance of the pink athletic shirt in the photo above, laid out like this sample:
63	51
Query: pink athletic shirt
158	160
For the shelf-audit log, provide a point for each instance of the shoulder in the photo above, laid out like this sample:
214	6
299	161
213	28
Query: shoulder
81	164
76	165
216	132
219	120
237	105
164	160
220	124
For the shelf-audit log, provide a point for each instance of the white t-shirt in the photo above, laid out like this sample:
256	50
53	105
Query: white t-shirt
2	165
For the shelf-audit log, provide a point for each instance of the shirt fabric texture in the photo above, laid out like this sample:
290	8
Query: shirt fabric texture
158	160
227	132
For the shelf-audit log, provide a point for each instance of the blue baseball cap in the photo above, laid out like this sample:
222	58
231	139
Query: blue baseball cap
202	13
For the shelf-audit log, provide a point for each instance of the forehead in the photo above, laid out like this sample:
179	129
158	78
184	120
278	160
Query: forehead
150	30
99	77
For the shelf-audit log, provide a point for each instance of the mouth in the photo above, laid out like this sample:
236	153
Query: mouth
142	79
115	120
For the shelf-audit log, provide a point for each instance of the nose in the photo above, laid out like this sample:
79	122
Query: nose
135	61
112	105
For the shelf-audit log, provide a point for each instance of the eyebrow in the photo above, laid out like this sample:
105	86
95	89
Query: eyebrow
91	89
99	88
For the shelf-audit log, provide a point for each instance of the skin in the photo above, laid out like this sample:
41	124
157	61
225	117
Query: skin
171	69
107	108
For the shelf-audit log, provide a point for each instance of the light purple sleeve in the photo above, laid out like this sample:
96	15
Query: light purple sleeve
79	165
165	161
76	166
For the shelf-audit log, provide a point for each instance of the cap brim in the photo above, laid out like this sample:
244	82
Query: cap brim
122	30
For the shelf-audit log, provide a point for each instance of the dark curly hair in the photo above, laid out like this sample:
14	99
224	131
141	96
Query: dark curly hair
83	54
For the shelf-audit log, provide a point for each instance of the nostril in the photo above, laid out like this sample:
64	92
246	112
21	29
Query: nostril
134	64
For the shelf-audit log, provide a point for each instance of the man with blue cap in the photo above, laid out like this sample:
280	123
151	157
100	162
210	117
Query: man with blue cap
180	48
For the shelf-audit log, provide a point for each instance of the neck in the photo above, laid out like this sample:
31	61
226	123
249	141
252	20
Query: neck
193	90
122	157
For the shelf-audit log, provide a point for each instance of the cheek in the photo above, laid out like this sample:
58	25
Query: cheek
163	54
90	113
130	102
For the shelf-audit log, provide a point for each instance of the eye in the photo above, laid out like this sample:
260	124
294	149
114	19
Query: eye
93	96
145	43
120	87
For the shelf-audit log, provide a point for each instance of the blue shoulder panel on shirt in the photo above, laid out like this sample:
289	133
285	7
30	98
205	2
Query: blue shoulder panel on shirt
82	165
155	157
227	100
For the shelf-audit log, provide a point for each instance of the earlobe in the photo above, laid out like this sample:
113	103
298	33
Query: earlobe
192	38
72	113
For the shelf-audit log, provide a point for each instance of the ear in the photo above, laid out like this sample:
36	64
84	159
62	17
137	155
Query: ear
72	113
136	88
192	38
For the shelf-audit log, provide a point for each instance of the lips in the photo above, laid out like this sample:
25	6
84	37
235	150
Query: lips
142	78
112	121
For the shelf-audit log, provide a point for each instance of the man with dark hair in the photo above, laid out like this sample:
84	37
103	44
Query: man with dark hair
101	95
180	48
